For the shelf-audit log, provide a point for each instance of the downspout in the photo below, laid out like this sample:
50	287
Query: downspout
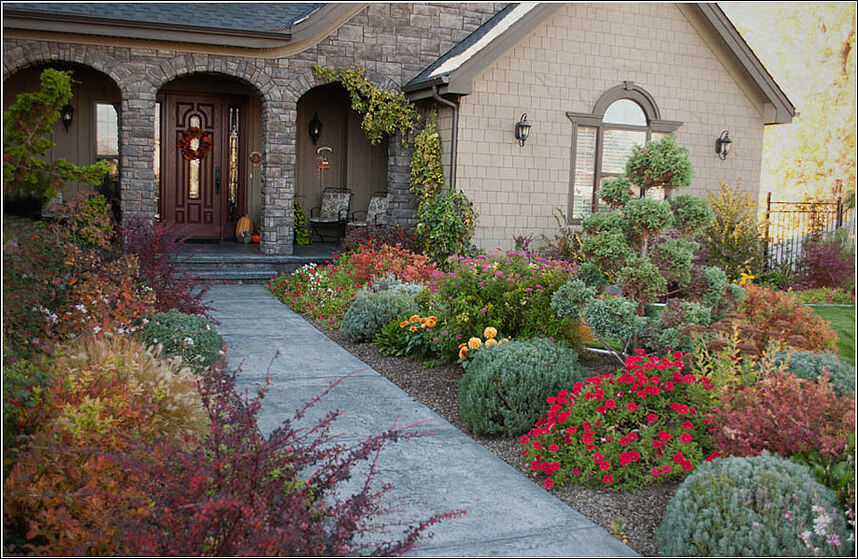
454	141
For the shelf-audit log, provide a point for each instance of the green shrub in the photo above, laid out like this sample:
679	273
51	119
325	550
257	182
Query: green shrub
673	258
602	221
189	336
812	365
614	317
504	388
616	192
370	311
445	225
641	280
761	506
690	214
572	298
660	164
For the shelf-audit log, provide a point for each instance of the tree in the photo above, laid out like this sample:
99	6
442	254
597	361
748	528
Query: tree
810	50
27	125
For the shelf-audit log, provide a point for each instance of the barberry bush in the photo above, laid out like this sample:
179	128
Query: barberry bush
785	415
642	425
827	263
753	507
371	263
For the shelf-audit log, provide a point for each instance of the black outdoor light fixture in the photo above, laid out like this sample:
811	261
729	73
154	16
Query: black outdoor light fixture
315	128
67	114
522	130
722	145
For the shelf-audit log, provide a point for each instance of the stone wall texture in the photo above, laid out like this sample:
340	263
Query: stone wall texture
566	64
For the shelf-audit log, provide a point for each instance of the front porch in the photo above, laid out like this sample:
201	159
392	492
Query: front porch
232	261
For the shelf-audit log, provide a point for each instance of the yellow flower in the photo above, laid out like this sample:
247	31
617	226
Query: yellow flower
745	279
474	343
414	318
491	341
490	332
463	351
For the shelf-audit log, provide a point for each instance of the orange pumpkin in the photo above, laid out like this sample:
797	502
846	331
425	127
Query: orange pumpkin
245	224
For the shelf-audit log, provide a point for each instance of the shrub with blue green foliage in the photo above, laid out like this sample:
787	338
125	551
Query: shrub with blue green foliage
371	310
812	365
760	506
189	336
504	388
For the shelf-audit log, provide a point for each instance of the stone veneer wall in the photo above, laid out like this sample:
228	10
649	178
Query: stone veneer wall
566	64
393	42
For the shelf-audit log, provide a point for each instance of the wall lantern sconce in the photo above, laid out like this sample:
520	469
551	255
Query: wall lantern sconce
522	130
66	115
315	128
722	145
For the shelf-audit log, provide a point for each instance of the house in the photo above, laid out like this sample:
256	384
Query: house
591	80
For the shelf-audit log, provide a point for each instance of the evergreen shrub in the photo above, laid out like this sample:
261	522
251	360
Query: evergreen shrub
745	507
504	387
188	336
812	365
370	311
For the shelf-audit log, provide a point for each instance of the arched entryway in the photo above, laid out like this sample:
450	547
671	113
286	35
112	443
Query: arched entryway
92	135
208	144
341	155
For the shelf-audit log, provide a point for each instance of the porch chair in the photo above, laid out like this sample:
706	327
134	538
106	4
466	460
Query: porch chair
333	213
375	214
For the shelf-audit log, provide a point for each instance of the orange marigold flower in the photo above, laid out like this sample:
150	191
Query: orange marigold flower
431	322
463	351
463	344
414	318
474	343
490	332
403	324
491	341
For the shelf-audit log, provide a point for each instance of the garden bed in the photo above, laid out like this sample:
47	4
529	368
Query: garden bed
630	516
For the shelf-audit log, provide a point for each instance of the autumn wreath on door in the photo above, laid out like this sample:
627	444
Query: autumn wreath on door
195	144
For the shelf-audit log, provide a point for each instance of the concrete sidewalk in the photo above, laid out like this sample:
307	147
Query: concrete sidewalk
506	514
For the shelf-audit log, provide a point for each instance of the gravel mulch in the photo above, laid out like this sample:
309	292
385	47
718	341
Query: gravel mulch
630	516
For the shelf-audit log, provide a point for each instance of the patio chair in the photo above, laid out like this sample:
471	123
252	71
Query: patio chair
375	214
333	213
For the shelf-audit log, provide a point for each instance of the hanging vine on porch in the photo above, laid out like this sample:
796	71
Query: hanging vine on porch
385	111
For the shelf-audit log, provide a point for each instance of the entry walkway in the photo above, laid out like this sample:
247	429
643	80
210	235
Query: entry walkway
506	514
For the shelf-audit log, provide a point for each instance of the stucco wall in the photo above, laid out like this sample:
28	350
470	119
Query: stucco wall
566	64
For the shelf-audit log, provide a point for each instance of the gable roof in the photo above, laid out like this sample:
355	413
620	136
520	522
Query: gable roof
454	71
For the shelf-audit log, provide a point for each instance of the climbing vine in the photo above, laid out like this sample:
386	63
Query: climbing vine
385	111
426	175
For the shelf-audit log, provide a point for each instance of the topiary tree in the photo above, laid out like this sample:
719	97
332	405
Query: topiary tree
27	125
645	247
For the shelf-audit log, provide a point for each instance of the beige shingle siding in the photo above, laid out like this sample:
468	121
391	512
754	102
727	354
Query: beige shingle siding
566	64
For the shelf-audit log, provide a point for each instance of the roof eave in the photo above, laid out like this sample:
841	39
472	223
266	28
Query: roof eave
85	25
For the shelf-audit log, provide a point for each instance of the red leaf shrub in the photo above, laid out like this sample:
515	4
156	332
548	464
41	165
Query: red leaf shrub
376	236
767	316
372	263
827	264
785	415
627	429
157	246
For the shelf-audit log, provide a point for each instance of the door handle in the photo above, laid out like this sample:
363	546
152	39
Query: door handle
217	180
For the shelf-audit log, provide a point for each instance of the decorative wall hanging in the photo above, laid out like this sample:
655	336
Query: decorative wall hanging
195	144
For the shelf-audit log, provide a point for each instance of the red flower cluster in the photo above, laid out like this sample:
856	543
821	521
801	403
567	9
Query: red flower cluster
625	429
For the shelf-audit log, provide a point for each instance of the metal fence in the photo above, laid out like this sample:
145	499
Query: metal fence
790	225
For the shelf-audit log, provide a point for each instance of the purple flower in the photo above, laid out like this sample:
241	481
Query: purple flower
484	310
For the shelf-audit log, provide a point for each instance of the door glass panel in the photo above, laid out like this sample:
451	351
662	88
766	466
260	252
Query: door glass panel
107	130
234	116
585	161
194	175
157	160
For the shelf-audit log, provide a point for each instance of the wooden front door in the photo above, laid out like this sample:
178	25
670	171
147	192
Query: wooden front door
202	170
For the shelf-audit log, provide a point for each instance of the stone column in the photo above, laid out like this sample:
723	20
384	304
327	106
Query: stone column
137	150
402	204
278	175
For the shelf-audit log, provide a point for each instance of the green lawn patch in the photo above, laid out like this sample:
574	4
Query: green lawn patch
843	322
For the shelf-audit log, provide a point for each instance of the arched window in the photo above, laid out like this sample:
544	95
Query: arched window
624	116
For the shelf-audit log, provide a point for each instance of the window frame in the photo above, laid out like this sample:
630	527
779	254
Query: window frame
655	125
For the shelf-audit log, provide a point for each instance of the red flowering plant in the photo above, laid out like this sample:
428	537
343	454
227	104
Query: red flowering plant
639	426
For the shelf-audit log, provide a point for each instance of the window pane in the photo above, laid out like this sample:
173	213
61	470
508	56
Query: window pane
194	176
625	111
617	147
157	161
107	130
234	116
585	161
